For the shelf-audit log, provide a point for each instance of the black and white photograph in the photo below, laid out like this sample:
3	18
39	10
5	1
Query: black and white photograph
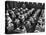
24	17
